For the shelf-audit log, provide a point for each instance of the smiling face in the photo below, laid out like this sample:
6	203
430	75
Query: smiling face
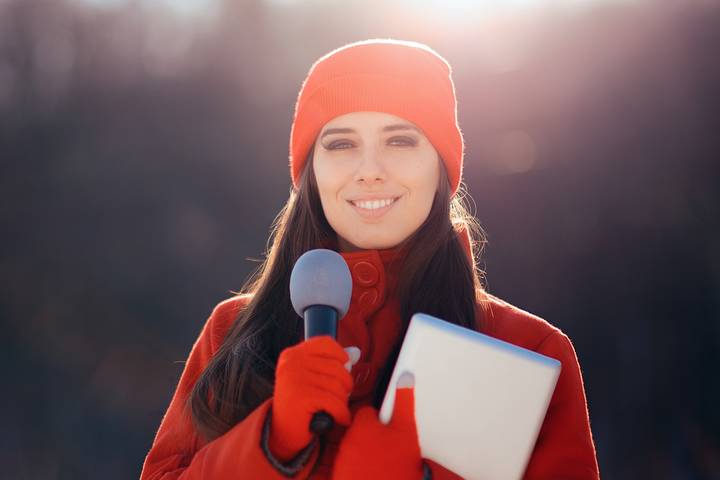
377	175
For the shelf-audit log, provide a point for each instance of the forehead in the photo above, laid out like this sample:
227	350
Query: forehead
366	121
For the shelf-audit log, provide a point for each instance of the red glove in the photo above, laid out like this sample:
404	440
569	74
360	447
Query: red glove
371	449
309	377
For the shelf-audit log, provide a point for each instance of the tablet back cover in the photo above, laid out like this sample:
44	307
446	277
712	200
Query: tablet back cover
479	401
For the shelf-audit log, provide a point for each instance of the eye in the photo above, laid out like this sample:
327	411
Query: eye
338	145
403	141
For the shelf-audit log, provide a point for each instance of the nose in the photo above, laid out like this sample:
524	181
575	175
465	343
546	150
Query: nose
371	168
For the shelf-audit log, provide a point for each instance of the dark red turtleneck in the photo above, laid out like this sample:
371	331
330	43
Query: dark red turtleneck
564	448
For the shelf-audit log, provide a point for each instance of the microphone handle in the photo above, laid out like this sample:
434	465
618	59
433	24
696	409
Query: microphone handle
320	320
321	423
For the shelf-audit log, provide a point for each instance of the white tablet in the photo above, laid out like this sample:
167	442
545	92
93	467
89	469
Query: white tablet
479	401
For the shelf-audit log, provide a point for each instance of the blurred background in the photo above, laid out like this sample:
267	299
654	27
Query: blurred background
143	157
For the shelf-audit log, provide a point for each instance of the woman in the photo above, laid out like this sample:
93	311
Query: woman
376	162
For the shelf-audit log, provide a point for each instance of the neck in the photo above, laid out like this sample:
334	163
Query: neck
343	246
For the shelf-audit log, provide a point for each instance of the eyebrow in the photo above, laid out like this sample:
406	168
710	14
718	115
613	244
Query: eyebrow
388	128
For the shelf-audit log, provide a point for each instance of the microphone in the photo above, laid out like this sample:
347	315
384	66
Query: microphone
320	291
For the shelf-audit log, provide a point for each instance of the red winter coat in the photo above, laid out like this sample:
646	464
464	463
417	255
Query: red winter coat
564	448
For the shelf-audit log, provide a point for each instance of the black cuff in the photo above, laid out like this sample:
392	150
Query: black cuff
295	465
427	473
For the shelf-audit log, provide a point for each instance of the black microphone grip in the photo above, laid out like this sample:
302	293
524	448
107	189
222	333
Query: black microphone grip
320	320
321	423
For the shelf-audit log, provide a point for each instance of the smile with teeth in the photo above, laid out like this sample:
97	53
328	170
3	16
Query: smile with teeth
373	204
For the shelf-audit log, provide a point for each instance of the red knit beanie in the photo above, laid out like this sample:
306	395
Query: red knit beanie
406	79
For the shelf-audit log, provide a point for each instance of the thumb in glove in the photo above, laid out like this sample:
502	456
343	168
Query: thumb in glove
370	449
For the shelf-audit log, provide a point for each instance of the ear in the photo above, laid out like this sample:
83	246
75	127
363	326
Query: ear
403	417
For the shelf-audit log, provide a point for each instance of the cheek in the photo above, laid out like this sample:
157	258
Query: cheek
329	172
420	178
329	182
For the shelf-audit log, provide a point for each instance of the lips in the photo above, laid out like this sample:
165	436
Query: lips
379	207
373	204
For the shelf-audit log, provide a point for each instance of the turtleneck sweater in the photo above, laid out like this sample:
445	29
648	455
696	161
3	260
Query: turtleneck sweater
564	448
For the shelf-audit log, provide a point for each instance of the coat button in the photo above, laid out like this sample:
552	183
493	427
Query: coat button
368	297
366	274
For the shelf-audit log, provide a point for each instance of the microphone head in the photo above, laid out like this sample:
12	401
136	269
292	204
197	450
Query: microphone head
321	277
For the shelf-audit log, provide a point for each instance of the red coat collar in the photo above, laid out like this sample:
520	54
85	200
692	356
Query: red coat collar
375	271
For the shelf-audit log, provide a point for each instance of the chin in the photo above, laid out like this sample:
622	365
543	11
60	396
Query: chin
373	244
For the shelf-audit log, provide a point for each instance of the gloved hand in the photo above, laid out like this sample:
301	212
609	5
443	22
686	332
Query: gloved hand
370	449
311	376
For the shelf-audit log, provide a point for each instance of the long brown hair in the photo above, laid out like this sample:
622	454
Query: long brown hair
436	277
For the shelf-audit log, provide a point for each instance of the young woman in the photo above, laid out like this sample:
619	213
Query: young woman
376	160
